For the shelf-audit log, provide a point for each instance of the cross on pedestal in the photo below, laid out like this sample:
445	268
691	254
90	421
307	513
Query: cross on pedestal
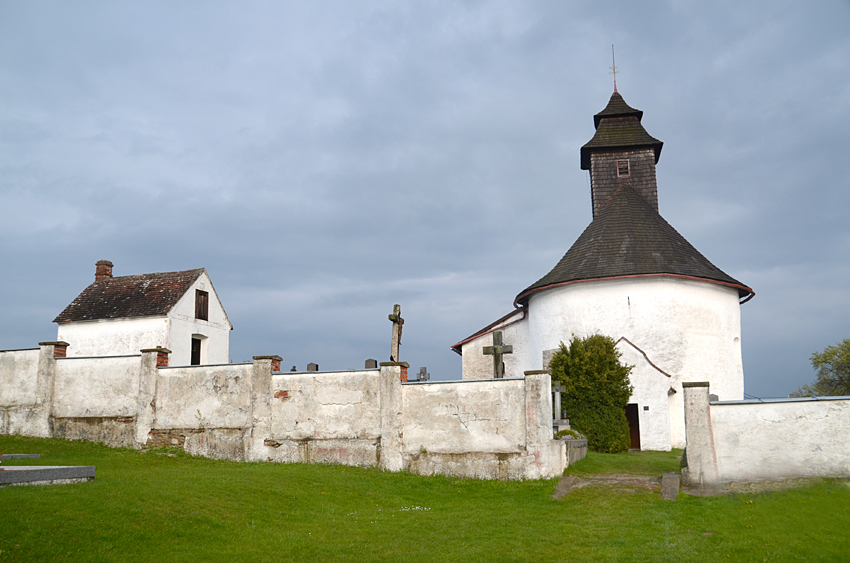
497	350
557	389
398	322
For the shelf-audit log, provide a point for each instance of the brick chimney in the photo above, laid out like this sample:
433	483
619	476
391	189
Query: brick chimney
103	270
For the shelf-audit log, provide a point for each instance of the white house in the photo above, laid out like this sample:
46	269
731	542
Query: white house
121	315
633	277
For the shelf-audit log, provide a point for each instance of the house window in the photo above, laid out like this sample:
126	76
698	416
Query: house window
196	352
623	170
202	305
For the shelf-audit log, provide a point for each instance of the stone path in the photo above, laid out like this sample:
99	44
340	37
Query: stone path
630	482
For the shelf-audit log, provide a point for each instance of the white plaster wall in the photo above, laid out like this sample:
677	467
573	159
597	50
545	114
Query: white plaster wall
689	329
113	337
478	366
464	417
325	406
96	387
18	377
216	346
651	391
782	440
221	394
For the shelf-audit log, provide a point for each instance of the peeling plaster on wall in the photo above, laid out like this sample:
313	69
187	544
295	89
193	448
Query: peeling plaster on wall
204	396
96	387
487	429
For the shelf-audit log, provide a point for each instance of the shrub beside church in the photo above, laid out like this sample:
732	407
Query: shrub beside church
597	391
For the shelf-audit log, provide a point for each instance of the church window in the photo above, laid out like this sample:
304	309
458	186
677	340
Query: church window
202	305
623	170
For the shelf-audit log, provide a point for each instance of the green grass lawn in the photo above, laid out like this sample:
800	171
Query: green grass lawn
152	507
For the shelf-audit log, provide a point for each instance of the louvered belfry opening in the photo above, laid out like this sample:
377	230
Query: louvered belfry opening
202	305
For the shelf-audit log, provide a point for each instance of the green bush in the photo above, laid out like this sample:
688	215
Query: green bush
597	390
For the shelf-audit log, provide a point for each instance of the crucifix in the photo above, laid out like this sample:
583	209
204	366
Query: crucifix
398	322
497	350
423	375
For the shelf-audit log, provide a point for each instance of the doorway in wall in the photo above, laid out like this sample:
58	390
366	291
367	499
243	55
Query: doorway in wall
196	352
634	425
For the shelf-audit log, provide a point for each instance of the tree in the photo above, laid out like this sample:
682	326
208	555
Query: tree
833	372
597	390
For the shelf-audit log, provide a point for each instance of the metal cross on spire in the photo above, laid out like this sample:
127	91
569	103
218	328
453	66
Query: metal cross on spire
613	68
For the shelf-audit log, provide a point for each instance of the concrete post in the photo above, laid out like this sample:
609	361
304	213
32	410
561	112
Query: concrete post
152	359
261	410
392	440
702	469
550	456
45	383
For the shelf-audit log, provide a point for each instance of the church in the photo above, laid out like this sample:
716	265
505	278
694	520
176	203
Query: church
630	275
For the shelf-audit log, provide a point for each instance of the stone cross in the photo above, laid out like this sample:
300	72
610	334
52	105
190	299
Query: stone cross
423	375
398	322
497	350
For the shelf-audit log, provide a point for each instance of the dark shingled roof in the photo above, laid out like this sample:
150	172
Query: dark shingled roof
618	127
130	296
628	238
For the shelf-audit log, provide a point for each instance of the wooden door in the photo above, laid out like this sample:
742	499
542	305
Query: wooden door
634	425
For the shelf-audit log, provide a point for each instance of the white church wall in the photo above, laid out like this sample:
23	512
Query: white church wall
463	417
650	388
765	441
96	387
215	348
689	329
113	337
204	396
476	365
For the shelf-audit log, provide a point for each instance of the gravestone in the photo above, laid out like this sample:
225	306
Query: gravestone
423	375
371	364
497	350
312	367
670	486
42	474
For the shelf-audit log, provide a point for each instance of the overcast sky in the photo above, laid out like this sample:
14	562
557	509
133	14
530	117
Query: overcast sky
325	160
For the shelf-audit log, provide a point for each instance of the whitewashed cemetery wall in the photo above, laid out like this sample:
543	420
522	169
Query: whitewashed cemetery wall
19	393
771	440
496	429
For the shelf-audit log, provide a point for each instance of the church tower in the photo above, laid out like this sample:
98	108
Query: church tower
621	153
675	316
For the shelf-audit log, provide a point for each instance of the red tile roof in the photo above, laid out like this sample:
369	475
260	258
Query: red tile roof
143	295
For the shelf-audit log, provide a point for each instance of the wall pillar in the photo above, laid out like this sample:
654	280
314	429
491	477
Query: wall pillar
702	469
45	383
152	359
550	455
261	411
392	439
